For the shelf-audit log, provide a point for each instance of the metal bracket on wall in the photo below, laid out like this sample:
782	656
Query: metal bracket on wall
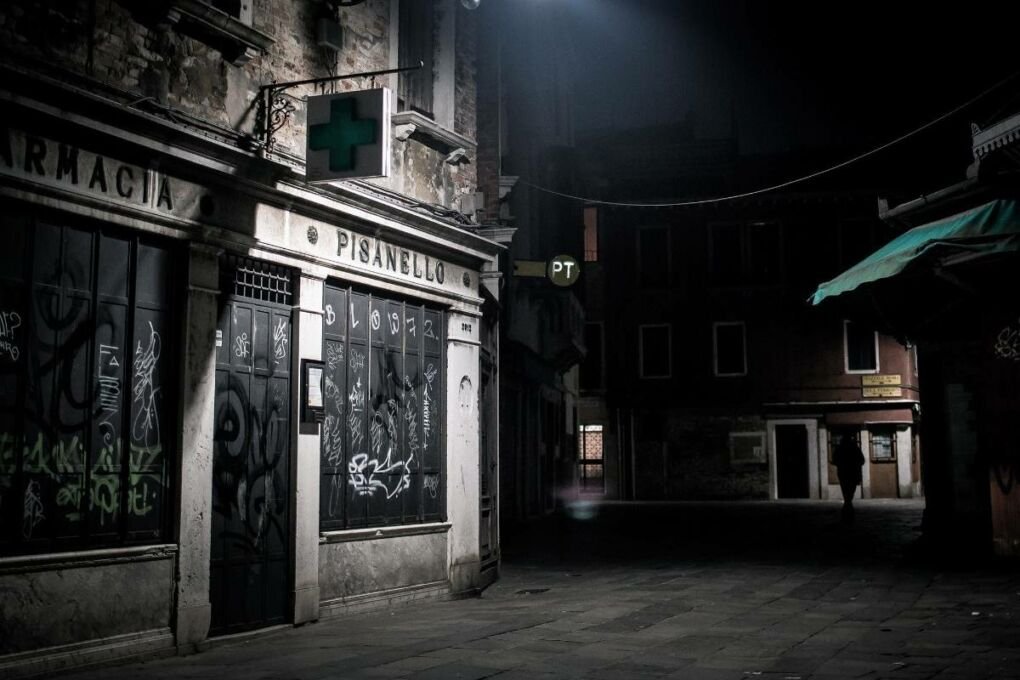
274	110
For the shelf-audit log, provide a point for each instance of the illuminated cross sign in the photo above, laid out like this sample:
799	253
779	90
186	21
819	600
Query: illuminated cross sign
348	136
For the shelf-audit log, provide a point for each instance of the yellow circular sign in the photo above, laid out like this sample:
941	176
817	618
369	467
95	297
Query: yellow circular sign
563	270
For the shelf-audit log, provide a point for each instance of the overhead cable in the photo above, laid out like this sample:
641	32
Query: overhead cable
781	185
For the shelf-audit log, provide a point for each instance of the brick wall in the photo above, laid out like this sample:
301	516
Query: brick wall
685	455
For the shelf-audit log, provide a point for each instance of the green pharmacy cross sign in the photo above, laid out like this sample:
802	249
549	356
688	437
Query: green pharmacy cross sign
348	136
341	135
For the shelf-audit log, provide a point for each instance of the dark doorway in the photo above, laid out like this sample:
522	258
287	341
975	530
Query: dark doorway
792	461
249	579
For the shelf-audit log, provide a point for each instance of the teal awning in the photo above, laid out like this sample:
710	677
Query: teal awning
992	228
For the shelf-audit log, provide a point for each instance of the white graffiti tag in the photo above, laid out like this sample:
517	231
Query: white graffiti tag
145	428
280	341
370	475
432	485
242	346
33	513
1007	343
9	322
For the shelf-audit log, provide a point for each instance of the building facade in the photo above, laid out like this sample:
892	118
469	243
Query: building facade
942	282
708	375
232	398
527	84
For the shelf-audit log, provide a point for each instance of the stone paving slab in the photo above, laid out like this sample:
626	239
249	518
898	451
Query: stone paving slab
787	596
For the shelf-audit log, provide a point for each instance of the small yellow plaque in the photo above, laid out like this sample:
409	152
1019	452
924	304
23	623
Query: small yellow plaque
888	379
883	391
535	268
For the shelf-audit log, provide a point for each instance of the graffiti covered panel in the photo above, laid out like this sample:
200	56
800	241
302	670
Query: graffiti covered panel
389	408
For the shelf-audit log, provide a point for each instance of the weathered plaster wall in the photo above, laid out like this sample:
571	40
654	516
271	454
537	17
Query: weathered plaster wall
142	55
370	566
463	477
72	604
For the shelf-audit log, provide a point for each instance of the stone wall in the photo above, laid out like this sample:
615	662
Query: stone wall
144	59
686	456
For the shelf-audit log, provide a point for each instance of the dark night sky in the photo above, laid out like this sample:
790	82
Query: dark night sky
793	73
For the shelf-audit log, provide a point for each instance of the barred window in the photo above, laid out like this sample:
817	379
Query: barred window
382	447
590	464
87	401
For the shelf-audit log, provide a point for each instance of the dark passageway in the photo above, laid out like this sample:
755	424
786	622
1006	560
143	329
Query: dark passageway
802	533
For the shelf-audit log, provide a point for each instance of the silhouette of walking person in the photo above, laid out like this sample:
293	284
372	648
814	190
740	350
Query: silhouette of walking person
849	461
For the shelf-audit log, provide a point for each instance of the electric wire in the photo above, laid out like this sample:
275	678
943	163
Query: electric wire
781	185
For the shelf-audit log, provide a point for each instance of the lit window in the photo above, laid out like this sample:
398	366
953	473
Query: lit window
591	474
860	345
591	234
883	446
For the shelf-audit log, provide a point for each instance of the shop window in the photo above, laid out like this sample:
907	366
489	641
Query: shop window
87	382
591	471
860	345
653	257
382	456
729	348
883	446
655	349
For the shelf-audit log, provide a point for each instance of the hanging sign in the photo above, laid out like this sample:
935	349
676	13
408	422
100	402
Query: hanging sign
564	270
348	136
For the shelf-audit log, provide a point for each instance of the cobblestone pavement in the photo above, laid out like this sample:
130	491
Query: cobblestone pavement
692	591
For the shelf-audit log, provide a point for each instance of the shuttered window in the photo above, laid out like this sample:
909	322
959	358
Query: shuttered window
382	446
416	36
87	421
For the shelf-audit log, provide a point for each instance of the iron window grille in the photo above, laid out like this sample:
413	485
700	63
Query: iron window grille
256	280
591	467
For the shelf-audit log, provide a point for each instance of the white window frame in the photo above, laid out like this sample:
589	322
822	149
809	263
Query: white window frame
846	353
762	456
669	254
715	347
641	351
883	431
